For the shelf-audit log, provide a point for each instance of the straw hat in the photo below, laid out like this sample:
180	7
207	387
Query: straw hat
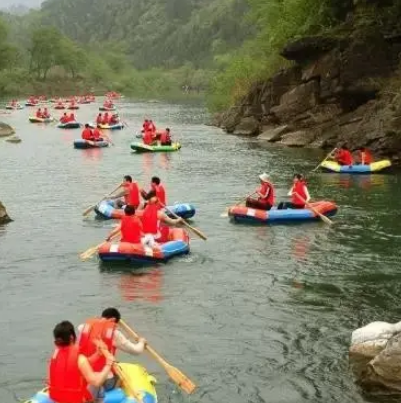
264	177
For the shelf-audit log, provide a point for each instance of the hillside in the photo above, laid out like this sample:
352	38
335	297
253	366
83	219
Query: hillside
154	33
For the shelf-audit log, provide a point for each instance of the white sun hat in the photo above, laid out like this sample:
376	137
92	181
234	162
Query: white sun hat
264	177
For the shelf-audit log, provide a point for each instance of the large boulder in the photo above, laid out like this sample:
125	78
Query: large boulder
299	138
273	134
6	130
4	218
247	127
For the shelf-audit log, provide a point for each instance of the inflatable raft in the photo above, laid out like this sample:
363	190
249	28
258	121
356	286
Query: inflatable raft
14	108
59	107
143	148
34	119
106	210
116	126
176	245
105	109
73	107
249	215
31	103
136	375
69	125
84	144
333	166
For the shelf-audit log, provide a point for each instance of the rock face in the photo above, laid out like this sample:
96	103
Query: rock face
6	130
336	92
375	357
4	218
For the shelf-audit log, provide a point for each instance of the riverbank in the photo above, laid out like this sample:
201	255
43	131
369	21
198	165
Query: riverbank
341	88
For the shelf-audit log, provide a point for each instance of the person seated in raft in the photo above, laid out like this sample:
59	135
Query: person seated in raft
113	119
106	327
106	119
157	187
39	113
165	137
64	118
148	138
71	374
299	194
151	215
265	194
46	114
99	119
364	156
71	118
145	125
97	135
343	156
87	133
129	195
152	126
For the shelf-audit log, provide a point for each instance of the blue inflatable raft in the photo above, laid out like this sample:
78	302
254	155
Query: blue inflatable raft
84	144
69	125
107	211
374	167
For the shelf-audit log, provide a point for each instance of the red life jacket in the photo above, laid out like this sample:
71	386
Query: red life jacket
131	229
367	157
165	137
93	330
66	383
132	198
148	138
270	197
161	194
150	220
99	119
96	134
299	189
38	114
87	134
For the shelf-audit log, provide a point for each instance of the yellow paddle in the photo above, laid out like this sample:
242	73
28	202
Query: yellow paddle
327	157
310	207
193	229
225	214
91	251
174	373
89	209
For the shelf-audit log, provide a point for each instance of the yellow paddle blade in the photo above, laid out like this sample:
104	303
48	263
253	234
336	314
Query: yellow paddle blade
180	379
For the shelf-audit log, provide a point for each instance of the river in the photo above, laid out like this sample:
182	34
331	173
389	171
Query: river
254	314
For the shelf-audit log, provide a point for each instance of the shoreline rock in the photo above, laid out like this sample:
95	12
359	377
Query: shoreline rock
340	90
4	217
6	130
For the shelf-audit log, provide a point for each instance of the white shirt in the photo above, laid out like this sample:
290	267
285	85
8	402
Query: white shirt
119	341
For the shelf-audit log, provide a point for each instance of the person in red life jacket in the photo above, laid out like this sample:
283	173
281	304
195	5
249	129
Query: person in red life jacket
165	137
71	118
299	194
264	199
365	157
145	125
113	119
159	190
151	217
129	195
131	227
87	133
46	113
105	329
343	156
64	118
148	138
99	119
152	126
39	113
70	373
97	134
106	118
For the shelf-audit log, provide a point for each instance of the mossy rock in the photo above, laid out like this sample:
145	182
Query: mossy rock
6	130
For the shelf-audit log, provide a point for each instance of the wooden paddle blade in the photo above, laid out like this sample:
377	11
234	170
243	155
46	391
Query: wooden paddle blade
180	379
197	232
88	210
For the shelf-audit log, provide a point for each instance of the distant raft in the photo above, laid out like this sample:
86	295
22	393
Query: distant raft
143	148
106	109
73	107
84	144
14	107
177	243
137	378
69	125
31	103
374	167
34	119
115	126
59	107
242	214
107	211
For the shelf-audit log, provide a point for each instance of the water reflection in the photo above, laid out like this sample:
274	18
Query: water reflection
92	154
165	161
348	181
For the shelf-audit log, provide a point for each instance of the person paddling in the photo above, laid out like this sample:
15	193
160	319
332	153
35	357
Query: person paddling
129	195
71	375
365	157
39	114
130	227
343	156
299	194
159	190
64	118
264	194
87	133
105	329
165	137
99	119
71	118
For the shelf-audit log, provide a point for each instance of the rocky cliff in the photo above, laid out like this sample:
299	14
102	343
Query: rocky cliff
4	218
342	87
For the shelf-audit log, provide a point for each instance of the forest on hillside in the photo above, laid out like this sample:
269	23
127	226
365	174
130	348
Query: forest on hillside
155	47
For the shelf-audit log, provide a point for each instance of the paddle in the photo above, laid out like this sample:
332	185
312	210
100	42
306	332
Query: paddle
328	156
310	207
89	209
193	229
174	373
225	214
91	251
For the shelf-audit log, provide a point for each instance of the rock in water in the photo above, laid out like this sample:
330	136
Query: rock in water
14	139
6	130
4	218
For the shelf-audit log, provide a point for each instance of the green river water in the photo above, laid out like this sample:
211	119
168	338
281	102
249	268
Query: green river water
255	314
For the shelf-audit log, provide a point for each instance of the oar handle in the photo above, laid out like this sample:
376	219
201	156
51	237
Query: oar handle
193	229
322	216
327	156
